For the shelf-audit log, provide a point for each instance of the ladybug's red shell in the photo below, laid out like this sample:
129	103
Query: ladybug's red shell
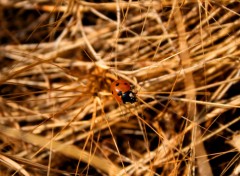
122	92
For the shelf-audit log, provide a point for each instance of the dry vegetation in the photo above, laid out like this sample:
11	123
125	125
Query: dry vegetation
58	59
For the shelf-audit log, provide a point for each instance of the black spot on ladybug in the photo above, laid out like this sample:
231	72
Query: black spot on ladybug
125	83
112	92
117	84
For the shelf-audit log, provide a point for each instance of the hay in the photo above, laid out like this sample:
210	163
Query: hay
58	59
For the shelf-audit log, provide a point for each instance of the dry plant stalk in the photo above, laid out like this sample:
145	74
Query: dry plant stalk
58	59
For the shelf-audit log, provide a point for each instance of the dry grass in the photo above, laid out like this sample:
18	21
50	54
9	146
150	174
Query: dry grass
58	60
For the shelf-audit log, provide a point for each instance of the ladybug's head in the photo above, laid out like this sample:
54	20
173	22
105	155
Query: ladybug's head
129	96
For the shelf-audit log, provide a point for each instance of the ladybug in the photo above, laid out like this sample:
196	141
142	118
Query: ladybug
122	91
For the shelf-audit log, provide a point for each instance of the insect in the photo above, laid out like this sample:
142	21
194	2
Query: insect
122	91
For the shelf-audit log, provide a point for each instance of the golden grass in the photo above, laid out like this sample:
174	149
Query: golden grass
58	59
